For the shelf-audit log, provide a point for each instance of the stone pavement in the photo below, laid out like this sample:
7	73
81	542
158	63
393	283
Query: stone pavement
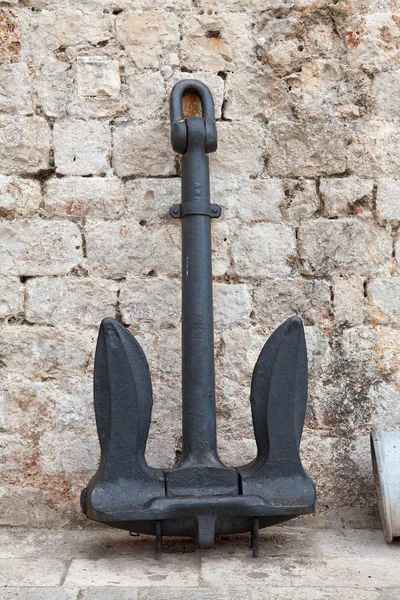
102	564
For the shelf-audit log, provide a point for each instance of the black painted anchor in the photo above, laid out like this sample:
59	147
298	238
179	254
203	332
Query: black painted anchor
201	497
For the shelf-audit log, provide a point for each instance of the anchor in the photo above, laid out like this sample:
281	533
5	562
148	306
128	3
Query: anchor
201	497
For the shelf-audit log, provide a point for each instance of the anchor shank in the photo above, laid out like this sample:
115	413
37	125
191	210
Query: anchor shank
198	370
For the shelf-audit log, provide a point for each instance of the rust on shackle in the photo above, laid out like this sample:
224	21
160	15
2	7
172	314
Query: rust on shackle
201	497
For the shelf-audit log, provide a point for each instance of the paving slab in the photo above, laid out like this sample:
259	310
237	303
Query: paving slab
39	593
32	572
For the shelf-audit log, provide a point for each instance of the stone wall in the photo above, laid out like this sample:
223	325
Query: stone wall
308	173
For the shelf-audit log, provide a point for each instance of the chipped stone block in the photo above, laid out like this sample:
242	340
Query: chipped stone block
66	27
383	301
300	199
142	85
15	89
278	299
375	149
97	197
150	199
219	42
54	86
70	300
45	352
222	235
19	197
307	149
344	247
24	144
143	149
348	300
97	76
232	304
249	199
82	455
10	36
82	147
39	247
116	249
148	35
347	196
11	297
253	95
240	149
263	249
215	83
285	56
387	94
385	403
388	199
153	300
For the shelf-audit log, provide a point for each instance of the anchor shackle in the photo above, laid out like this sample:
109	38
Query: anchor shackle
179	134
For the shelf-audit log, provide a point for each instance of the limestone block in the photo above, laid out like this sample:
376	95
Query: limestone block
15	89
11	297
97	76
388	199
143	149
82	455
300	199
82	147
264	249
253	95
383	301
218	42
387	94
24	144
375	149
347	196
278	299
153	300
54	87
150	199
19	197
10	36
240	149
344	247
306	149
148	35
70	300
116	249
348	300
96	197
144	95
232	304
39	247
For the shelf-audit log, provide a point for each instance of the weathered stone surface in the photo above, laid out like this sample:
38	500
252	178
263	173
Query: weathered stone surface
375	149
385	403
253	95
215	83
44	352
387	94
300	199
276	300
347	196
54	85
383	301
82	455
143	149
19	197
144	84
148	36
67	27
344	247
82	147
97	197
240	149
150	199
348	300
307	149
10	36
216	42
24	144
70	300
153	300
39	247
116	249
264	250
388	199
233	304
11	296
15	89
97	76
